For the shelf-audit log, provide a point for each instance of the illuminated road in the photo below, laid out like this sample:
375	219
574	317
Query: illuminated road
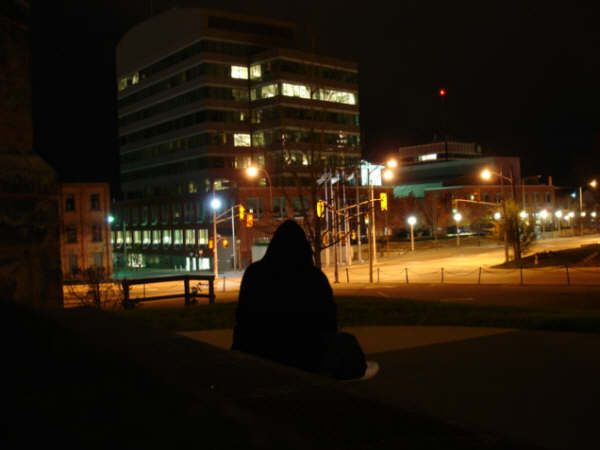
462	265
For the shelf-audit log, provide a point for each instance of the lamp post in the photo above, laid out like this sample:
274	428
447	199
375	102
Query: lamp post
457	218
487	174
412	220
252	172
215	204
544	216
558	215
388	175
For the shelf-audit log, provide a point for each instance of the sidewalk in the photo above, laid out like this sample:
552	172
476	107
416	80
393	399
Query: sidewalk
536	387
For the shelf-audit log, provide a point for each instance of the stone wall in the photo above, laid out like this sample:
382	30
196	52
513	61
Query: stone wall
29	245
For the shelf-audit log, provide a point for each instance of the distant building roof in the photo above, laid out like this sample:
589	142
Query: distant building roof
443	150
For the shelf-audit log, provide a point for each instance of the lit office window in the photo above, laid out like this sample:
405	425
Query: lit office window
239	72
190	237
255	72
146	239
241	140
266	91
332	95
259	138
428	157
137	237
202	236
178	237
166	237
156	237
295	90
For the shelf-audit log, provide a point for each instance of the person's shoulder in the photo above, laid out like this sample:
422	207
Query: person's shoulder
318	274
254	268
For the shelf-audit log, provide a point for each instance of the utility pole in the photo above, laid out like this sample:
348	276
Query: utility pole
234	246
215	238
358	222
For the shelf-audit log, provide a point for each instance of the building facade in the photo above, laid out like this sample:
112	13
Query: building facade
203	95
437	179
85	238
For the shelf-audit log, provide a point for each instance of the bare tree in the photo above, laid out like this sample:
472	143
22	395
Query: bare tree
92	288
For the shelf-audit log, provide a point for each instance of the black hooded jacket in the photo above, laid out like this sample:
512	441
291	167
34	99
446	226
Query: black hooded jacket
286	309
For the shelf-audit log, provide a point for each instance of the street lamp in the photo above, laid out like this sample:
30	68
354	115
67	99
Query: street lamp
544	215
457	218
412	220
523	215
387	175
558	215
593	184
252	172
215	204
497	215
486	175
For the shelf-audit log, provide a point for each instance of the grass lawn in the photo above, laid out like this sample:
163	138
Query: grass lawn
356	311
585	256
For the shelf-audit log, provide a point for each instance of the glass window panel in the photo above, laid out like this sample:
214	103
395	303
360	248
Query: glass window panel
239	72
255	72
146	237
202	236
166	237
156	237
190	237
178	237
241	139
295	90
332	95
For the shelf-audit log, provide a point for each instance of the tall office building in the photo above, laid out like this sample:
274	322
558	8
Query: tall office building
203	95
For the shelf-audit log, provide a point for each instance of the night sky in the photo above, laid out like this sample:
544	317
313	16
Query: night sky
523	78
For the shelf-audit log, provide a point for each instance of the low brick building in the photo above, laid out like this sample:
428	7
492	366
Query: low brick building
84	228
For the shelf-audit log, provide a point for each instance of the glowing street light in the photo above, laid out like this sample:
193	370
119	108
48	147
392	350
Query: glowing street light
523	215
252	172
544	215
387	175
486	174
412	220
593	214
497	215
457	218
593	184
391	163
558	215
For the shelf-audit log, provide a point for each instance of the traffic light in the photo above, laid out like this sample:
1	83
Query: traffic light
249	220
320	208
225	243
242	212
211	244
383	201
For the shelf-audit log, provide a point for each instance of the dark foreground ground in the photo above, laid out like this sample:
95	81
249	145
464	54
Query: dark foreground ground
87	379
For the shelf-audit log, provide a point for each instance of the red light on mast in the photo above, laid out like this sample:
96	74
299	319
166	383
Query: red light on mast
442	92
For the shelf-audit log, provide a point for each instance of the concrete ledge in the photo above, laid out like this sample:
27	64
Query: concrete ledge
275	406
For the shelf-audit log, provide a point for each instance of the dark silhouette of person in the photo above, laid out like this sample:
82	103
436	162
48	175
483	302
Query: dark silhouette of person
286	312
